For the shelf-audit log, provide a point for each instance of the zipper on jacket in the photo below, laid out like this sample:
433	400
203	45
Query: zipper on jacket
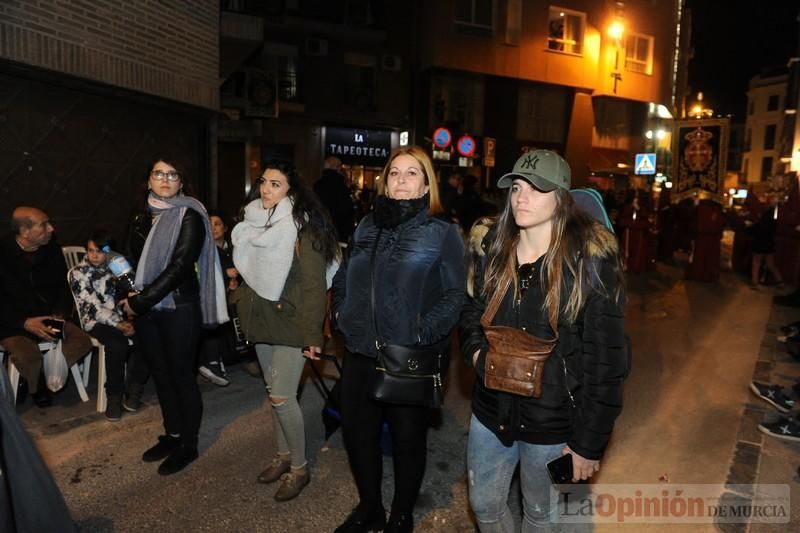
566	383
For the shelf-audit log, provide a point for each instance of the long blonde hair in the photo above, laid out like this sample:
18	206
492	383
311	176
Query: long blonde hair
573	233
434	204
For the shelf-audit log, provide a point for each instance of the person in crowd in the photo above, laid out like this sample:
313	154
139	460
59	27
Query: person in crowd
34	291
706	229
452	198
545	268
174	299
635	234
213	342
30	499
332	190
95	293
419	291
764	229
283	249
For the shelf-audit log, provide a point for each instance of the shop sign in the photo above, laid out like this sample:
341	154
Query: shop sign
466	146
489	145
442	138
358	146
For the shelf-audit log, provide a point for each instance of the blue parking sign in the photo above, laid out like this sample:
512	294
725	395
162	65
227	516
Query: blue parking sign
645	164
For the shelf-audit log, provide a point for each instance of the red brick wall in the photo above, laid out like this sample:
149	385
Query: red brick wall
166	48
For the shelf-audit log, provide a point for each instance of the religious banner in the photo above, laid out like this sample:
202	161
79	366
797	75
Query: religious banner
700	151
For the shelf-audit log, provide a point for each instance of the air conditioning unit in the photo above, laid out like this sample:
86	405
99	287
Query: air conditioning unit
391	62
316	47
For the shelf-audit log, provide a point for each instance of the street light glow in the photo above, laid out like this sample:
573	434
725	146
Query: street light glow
616	30
649	134
660	134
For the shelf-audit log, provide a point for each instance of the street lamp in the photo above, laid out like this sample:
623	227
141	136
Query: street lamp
698	110
616	31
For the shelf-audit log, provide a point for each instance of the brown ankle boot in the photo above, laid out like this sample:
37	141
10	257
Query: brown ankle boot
292	484
279	466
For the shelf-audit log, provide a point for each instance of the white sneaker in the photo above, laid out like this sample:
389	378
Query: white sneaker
215	373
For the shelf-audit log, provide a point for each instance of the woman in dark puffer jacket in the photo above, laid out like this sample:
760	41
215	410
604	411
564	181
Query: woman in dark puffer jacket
545	262
419	293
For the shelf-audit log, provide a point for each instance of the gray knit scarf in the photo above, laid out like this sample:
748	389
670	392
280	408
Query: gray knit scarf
158	249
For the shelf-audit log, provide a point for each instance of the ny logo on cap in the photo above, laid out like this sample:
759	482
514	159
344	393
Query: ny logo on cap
530	162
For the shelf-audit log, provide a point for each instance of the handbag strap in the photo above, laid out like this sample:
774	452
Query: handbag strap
494	304
379	344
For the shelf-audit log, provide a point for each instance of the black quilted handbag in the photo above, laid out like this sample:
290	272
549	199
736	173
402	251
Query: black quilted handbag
406	375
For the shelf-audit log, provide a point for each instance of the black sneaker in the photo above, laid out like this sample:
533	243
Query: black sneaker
784	428
165	446
772	394
132	401
179	459
215	373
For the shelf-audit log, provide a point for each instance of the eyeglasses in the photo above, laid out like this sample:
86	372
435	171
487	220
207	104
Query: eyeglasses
160	175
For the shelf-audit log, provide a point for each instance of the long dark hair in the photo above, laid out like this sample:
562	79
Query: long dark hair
308	213
573	233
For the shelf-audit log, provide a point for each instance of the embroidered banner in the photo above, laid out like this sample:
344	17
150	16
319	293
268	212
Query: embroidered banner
699	154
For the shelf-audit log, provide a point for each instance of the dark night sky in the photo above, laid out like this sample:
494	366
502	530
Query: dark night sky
733	41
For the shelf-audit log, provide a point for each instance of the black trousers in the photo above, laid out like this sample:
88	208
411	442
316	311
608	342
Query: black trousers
362	422
119	355
169	341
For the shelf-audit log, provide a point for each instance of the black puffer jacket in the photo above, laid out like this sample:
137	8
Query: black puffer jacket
419	283
180	275
582	380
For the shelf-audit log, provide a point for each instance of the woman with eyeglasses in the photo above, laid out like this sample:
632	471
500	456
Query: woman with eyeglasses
285	249
179	289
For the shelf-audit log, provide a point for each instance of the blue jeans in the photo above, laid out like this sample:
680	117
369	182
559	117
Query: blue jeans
491	466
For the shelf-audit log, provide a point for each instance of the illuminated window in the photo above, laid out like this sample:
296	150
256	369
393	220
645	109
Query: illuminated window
565	30
639	53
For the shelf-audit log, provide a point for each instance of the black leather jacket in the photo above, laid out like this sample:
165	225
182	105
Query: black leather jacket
180	275
582	380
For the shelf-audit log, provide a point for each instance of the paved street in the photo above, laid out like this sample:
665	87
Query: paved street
695	349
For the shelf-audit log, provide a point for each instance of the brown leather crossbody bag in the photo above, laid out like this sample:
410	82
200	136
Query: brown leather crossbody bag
515	361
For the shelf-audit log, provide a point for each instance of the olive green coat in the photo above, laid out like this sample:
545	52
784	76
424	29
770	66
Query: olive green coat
296	319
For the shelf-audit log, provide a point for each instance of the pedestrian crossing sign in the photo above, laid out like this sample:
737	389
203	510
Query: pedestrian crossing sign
645	164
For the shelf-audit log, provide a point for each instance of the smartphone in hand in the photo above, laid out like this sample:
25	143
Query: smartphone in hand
560	470
57	325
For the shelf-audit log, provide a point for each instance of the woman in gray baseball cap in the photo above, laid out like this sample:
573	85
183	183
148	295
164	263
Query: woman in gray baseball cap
544	278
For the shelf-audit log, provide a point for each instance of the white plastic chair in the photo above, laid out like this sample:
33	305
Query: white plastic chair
80	371
101	355
73	255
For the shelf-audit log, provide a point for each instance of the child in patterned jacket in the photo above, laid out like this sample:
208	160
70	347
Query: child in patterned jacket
94	288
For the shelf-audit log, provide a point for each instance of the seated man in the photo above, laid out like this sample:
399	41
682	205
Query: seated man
33	289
